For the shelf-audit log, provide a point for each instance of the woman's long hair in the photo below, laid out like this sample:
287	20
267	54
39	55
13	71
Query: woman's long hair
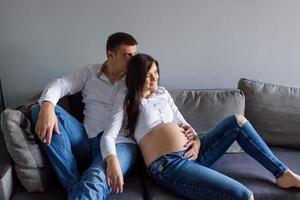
137	69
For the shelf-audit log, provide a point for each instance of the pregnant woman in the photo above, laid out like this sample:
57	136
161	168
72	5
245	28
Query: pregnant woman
176	158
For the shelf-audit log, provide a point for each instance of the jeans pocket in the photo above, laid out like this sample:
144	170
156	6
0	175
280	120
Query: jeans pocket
162	167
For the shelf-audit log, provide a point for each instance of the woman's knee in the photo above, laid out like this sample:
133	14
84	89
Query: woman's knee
240	119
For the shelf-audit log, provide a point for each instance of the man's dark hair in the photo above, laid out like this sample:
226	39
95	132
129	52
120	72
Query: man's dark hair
117	39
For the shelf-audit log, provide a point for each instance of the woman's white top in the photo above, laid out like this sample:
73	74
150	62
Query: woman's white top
158	108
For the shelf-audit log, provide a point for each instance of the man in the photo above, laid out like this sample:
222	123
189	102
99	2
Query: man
74	141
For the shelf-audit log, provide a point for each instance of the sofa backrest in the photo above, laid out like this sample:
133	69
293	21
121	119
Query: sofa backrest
203	108
274	111
74	105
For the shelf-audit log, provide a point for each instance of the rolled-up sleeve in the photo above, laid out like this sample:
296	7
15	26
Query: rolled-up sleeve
65	85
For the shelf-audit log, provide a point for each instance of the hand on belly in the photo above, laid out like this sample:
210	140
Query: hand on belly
165	138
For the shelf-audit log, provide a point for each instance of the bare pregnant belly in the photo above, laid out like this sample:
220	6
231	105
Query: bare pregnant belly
164	138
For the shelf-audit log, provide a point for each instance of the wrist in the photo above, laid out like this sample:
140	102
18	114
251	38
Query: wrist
46	105
111	159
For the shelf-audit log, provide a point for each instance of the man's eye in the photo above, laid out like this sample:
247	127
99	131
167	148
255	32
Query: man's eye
128	55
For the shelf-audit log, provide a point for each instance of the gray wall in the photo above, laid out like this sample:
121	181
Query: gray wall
199	43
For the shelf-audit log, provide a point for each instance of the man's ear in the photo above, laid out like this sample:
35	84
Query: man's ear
109	54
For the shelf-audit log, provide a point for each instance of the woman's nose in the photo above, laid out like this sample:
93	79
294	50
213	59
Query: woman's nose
153	78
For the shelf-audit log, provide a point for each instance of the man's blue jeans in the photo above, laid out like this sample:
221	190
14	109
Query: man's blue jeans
194	179
72	146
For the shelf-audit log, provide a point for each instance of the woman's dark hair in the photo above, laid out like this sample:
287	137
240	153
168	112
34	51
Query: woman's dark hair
137	69
117	39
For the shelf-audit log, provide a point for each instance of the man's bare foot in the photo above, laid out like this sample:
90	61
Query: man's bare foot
288	180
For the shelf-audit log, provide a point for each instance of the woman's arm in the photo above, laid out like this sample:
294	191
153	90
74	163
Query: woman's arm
193	143
178	118
108	146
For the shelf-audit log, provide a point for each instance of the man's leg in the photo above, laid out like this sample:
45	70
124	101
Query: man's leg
64	147
128	155
93	184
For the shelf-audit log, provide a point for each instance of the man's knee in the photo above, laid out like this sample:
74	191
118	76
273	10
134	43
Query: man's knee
240	119
35	112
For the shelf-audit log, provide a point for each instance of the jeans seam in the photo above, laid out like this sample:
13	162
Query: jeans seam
271	160
217	141
193	187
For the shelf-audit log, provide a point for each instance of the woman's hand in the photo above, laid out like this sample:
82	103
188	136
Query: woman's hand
188	131
114	174
193	144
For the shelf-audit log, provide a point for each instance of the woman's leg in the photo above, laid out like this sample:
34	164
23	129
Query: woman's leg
286	180
237	127
191	180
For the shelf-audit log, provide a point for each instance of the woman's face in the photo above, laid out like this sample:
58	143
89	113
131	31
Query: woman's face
152	77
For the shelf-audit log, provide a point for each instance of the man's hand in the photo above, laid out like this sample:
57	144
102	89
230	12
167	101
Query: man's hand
193	144
114	174
46	122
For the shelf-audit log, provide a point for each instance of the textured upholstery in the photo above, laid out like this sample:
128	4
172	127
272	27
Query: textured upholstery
205	108
30	164
202	108
274	110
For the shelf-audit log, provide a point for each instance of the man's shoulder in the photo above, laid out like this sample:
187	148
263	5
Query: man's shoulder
93	67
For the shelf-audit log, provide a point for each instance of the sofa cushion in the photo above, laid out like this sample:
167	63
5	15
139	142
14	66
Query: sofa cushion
205	108
247	171
31	165
133	189
274	111
254	176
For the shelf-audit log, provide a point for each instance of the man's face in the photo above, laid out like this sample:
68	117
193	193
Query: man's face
121	56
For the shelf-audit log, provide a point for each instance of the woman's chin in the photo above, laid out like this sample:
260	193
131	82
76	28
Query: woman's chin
153	89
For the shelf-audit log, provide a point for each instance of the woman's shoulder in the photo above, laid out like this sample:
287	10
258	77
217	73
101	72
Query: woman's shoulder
162	91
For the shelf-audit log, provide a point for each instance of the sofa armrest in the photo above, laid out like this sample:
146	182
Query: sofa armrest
6	171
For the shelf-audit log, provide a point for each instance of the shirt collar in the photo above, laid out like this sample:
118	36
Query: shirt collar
102	76
101	68
155	93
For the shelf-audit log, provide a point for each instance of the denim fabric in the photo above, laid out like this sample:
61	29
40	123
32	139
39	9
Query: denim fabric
72	146
194	179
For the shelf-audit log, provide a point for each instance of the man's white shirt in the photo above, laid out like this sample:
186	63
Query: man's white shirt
98	97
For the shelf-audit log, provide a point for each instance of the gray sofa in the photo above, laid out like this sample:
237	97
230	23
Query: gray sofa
273	110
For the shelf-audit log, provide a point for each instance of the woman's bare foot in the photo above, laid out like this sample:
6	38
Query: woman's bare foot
252	197
288	180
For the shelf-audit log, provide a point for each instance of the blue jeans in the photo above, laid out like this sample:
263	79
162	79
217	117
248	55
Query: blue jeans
194	179
72	146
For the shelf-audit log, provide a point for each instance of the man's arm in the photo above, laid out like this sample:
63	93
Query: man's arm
69	84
